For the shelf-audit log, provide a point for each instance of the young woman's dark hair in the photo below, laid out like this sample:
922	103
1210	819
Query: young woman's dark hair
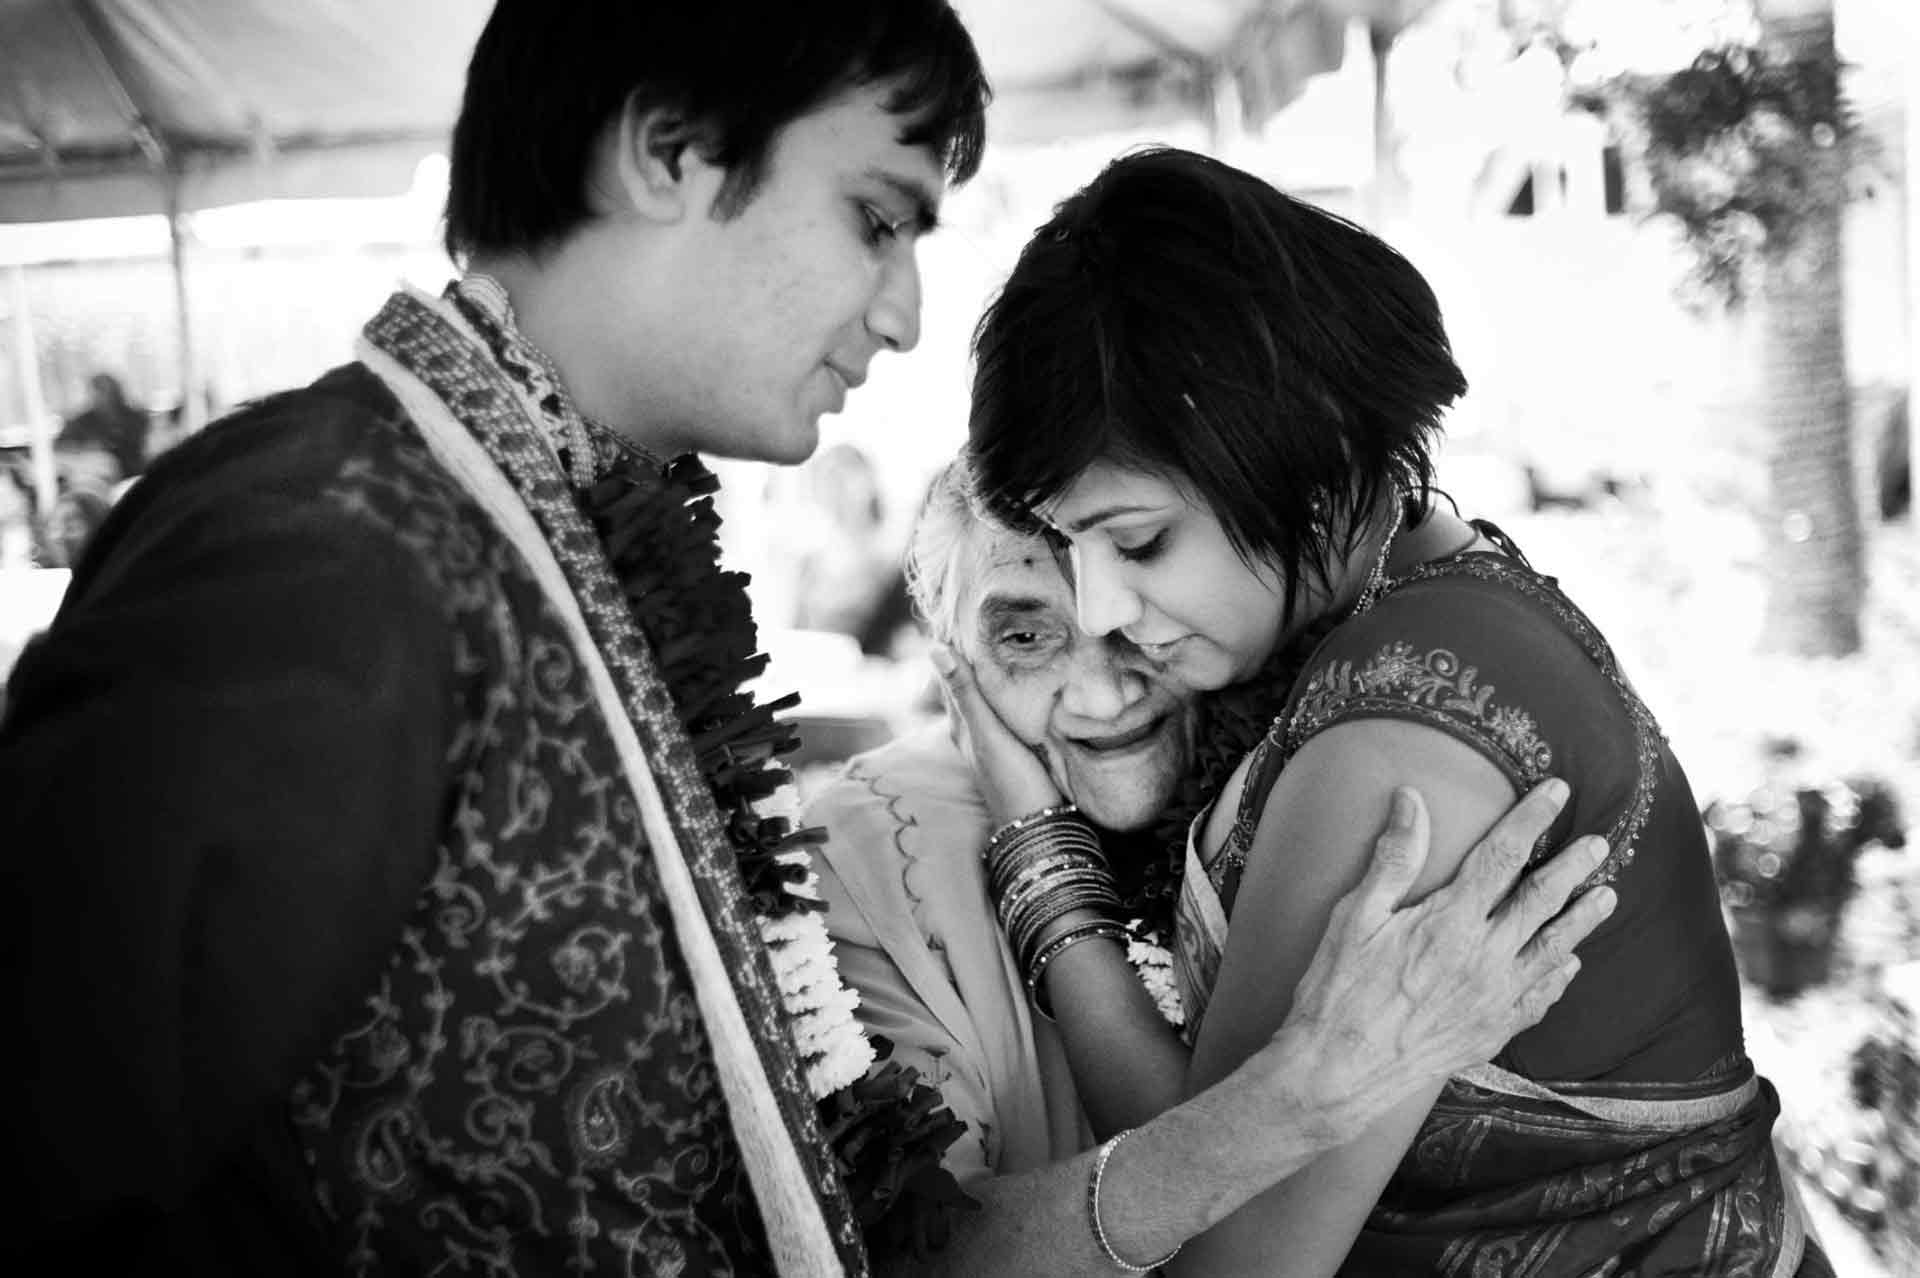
546	78
1181	317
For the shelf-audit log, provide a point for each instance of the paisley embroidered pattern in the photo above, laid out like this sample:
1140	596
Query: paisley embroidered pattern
530	1087
491	406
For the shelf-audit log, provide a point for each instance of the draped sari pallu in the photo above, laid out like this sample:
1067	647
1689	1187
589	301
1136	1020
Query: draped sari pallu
1509	1178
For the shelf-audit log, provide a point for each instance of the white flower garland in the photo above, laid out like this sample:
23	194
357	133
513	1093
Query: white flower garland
1153	964
832	1043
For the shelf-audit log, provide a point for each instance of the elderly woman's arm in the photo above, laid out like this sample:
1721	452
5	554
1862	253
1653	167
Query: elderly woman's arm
1393	1000
1312	842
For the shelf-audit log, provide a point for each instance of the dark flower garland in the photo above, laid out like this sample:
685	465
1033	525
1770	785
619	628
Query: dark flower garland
888	1129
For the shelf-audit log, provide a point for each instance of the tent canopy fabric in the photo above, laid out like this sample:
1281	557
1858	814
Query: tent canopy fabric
1062	67
121	107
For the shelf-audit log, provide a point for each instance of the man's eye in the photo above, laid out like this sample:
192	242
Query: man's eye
879	227
1144	551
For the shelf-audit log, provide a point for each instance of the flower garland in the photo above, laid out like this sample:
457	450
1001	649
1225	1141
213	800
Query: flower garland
888	1128
657	526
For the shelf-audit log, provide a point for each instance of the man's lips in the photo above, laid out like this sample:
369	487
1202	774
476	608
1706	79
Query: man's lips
1121	740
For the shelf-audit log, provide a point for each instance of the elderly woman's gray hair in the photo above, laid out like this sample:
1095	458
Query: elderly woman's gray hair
941	536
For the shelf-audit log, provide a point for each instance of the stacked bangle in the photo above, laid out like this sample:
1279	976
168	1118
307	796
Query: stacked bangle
1038	817
1040	869
1093	1212
1091	930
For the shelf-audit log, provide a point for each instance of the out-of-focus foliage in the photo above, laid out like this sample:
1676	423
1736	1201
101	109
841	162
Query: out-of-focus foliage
1743	149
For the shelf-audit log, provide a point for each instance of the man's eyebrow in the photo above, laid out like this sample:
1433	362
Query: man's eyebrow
925	204
1105	513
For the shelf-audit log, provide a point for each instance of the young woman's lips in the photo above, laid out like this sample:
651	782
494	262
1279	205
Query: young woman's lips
1159	652
1121	740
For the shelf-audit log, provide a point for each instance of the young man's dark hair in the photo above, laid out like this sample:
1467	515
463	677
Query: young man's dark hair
546	79
1178	315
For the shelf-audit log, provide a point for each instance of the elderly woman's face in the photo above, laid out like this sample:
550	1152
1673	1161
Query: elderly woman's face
1153	563
1114	731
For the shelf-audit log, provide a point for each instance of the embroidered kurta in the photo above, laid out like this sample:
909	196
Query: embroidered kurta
347	947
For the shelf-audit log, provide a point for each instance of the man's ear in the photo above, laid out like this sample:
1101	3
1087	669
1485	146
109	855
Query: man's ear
651	164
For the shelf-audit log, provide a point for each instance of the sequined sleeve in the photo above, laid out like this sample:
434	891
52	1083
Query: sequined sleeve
1495	657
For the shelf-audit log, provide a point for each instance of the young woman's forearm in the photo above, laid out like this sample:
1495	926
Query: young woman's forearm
1171	1179
1127	1063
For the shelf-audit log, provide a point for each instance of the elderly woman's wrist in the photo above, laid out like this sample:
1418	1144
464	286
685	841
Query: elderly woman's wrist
1307	1069
1051	889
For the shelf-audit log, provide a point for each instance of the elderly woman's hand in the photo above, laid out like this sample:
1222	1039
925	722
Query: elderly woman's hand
1400	996
1011	774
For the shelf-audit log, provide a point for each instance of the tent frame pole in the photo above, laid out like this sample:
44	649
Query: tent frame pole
192	404
26	356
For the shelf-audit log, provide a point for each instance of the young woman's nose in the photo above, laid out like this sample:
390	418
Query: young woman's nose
1102	600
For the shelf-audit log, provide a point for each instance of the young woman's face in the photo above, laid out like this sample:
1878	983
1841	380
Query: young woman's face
1154	564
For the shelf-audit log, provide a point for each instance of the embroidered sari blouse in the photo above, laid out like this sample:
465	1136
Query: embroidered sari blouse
1626	1132
1493	654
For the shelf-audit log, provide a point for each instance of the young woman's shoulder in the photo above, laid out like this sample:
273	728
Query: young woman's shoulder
1489	652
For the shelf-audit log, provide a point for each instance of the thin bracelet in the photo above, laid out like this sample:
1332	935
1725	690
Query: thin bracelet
1093	1211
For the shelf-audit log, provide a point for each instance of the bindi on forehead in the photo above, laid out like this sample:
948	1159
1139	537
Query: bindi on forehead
1027	554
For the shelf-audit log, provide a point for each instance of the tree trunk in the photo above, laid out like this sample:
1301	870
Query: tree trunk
1816	570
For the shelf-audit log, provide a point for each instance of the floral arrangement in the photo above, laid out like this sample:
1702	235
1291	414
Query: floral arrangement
1885	1081
1850	1105
1785	857
1743	149
887	1128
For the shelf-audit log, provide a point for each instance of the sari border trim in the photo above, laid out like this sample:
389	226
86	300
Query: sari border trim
796	1229
1663	1115
1796	1229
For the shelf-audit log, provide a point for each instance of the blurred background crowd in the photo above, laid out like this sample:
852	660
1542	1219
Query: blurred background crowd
1678	247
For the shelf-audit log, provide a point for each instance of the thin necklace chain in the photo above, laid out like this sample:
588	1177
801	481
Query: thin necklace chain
1377	579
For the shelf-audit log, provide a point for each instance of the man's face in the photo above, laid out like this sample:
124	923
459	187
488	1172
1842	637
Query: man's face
779	310
1115	736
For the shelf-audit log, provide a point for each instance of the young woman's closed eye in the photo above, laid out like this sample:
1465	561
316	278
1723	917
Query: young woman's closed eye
1144	551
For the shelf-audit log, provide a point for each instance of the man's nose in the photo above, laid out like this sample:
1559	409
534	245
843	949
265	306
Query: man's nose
894	316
